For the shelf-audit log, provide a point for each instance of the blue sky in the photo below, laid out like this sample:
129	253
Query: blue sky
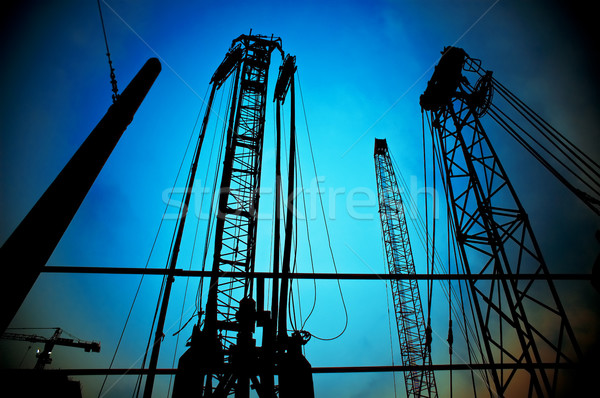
362	67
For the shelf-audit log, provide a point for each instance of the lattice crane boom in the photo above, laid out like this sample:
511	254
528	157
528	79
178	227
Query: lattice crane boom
49	343
224	358
519	322
405	292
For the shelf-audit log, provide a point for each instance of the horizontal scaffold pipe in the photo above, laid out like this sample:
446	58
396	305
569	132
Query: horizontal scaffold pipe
315	370
324	276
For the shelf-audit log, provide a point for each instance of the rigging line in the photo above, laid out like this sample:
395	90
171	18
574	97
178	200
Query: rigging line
541	125
467	326
295	214
541	121
426	204
291	306
449	292
387	299
449	250
156	311
113	80
211	210
186	323
172	259
192	258
292	309
171	253
70	335
434	216
200	209
312	264
324	218
153	244
390	330
483	375
298	177
419	228
418	222
503	123
285	148
580	194
577	165
464	318
269	283
428	325
24	356
545	163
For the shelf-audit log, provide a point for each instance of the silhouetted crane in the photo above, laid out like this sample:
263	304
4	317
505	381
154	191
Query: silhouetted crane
521	322
412	330
223	358
49	343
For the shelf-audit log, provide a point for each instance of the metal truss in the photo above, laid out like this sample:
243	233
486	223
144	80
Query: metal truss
239	197
521	322
223	358
235	232
407	300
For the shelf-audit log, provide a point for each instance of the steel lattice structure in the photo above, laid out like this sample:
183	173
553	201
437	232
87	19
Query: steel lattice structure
407	300
235	233
527	339
223	358
520	322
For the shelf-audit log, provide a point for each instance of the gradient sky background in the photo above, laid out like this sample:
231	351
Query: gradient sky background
362	67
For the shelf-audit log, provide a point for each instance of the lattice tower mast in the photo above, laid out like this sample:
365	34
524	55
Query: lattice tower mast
520	321
405	292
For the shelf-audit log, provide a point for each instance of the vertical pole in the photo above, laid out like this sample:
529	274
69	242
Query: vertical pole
25	253
170	276
285	266
270	330
275	297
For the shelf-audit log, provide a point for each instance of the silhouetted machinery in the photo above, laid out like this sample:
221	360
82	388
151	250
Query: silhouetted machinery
524	334
24	254
413	332
40	382
223	358
49	343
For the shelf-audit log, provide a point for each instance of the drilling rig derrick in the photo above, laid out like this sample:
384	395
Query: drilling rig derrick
223	358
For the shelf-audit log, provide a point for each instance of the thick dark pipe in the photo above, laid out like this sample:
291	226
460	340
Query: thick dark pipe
25	253
289	221
275	295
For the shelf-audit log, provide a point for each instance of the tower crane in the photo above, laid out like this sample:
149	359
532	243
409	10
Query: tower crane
49	343
405	292
521	321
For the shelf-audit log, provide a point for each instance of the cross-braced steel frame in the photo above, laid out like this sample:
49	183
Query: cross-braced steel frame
223	358
405	293
235	233
520	321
